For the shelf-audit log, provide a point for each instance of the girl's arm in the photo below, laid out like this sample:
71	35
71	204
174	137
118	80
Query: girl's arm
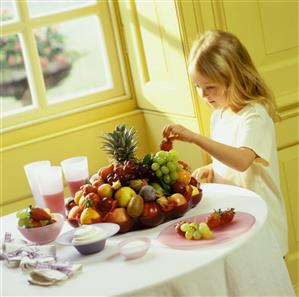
237	158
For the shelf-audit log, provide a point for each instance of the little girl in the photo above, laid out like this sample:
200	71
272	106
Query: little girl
242	144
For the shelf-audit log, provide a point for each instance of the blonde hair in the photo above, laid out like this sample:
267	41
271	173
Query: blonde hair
222	58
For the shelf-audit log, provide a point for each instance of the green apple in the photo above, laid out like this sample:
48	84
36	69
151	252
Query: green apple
124	195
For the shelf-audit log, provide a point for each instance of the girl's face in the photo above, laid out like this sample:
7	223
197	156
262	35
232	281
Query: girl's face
212	92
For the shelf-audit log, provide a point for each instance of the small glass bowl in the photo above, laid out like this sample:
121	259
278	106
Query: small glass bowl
134	247
45	234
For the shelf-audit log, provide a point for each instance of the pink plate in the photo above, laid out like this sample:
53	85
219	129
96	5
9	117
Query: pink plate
241	223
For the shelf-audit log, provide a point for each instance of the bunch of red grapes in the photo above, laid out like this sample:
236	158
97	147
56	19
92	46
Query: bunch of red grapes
126	172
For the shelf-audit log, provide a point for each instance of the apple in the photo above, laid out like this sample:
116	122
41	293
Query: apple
105	171
105	204
94	178
151	215
78	196
86	189
105	190
178	187
89	215
124	195
184	176
96	183
181	205
178	198
69	203
74	216
119	216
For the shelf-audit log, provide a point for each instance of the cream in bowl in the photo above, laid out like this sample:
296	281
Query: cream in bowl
89	239
87	234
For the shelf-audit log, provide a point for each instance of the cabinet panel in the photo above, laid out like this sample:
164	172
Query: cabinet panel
269	30
157	57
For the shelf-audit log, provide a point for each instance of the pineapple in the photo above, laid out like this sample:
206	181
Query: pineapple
120	145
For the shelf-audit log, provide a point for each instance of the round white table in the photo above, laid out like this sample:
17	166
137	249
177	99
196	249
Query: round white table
248	265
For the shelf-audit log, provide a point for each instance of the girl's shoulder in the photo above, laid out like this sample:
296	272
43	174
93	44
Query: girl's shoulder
254	109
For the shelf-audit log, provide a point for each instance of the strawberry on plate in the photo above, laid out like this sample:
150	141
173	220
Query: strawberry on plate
220	217
214	219
227	216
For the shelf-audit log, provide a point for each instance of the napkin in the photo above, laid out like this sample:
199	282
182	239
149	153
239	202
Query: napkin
38	260
51	274
20	254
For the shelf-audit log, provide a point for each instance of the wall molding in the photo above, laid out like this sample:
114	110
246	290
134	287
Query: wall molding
69	131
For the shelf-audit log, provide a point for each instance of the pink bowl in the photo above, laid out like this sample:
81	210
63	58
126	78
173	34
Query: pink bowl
46	234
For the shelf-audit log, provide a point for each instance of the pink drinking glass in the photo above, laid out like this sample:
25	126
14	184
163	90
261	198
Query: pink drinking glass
51	187
75	171
32	172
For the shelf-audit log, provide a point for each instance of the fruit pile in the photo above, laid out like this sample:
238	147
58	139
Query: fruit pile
33	217
135	193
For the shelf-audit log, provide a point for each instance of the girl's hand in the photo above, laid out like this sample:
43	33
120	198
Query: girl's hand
178	132
204	172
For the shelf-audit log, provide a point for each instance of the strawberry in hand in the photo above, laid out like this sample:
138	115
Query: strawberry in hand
166	145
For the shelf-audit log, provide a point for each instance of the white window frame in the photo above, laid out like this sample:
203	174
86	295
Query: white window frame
41	110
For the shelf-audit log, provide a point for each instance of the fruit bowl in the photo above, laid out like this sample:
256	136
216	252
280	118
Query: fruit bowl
93	246
135	193
45	234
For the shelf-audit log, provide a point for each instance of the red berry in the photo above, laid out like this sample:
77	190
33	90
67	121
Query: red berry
166	145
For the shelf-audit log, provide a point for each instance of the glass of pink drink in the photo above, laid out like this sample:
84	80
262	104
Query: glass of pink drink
75	171
51	187
32	173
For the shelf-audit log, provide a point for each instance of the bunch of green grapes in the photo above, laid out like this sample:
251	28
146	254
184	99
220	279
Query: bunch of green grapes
196	231
165	166
24	217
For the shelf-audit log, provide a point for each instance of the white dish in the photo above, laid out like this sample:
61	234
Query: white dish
90	247
134	247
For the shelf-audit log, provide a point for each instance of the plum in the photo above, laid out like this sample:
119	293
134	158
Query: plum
148	193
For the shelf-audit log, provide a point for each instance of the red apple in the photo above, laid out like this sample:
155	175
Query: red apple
151	215
105	171
73	216
119	216
105	204
86	189
181	205
69	203
178	198
178	187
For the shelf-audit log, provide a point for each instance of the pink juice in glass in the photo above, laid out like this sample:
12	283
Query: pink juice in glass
75	185
55	202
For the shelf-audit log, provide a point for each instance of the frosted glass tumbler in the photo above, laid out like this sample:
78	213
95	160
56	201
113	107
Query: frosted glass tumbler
75	171
51	187
32	170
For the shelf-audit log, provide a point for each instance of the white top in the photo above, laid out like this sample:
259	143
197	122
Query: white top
247	265
253	128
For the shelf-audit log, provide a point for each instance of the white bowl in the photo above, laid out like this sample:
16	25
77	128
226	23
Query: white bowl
91	247
134	247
